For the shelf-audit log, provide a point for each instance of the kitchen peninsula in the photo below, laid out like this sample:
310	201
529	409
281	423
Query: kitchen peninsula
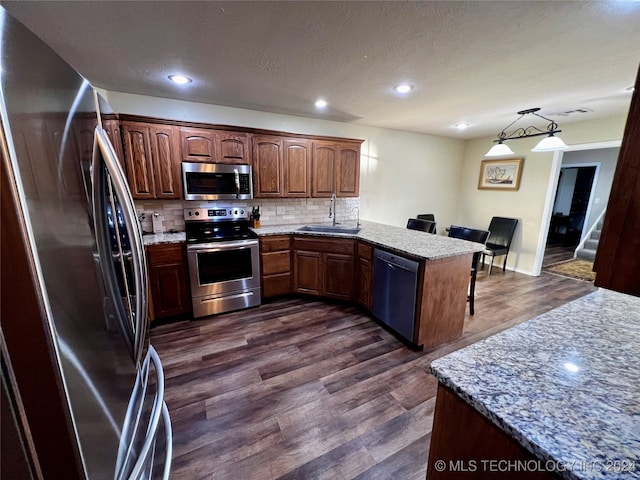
340	266
554	397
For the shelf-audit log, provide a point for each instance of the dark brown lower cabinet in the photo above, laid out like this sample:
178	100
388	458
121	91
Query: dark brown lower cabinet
464	444
324	266
308	272
275	256
169	279
338	276
364	274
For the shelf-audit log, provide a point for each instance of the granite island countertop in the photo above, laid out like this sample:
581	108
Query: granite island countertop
400	240
565	385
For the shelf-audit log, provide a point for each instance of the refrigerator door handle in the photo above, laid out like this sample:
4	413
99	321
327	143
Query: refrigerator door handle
168	431
121	190
133	422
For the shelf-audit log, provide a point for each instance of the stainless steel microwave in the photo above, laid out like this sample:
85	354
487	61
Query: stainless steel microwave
216	181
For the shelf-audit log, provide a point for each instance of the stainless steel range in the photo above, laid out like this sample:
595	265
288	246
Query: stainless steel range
224	259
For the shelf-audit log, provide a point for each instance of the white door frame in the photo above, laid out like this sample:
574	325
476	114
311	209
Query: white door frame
551	193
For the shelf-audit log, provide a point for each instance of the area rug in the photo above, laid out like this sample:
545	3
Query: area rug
574	268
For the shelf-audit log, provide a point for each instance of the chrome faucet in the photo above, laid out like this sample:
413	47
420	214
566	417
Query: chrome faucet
332	209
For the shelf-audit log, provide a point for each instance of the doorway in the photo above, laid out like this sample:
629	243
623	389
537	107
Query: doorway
570	211
602	155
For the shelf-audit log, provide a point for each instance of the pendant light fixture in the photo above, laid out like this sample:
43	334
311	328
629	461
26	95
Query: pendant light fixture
548	144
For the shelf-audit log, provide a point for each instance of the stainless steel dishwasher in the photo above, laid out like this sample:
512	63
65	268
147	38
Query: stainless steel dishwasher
395	283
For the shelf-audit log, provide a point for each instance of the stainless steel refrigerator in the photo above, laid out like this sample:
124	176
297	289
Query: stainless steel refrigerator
74	319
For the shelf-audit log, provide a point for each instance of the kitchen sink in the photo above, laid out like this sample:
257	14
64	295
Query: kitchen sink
329	229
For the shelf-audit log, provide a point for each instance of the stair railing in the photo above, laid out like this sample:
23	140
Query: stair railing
589	232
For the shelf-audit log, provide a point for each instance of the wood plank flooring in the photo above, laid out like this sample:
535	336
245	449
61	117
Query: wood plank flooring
307	389
557	252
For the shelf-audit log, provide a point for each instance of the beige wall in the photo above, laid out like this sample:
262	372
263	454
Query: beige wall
402	174
529	203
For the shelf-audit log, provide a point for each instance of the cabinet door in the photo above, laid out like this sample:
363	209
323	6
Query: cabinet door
169	280
198	144
296	171
338	276
323	165
267	167
233	147
348	171
137	155
166	162
364	274
308	272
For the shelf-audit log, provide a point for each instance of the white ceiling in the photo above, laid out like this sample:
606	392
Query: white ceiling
477	62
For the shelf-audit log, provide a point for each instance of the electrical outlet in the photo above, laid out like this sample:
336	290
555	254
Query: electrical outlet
280	210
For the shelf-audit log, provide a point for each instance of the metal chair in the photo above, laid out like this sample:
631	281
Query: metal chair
499	242
423	225
472	235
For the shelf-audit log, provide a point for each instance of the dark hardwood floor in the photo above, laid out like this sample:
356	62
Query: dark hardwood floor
306	389
557	252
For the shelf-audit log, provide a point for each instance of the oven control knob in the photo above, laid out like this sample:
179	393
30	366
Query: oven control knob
230	212
241	212
190	213
235	212
197	213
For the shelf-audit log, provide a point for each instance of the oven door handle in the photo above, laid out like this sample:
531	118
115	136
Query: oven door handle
218	246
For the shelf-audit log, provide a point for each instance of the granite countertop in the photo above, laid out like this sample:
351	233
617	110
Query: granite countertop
157	238
565	385
401	240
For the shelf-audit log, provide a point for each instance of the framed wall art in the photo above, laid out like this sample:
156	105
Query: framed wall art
503	174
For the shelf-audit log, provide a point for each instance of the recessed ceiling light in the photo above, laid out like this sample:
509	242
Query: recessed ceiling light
321	103
180	79
404	88
461	126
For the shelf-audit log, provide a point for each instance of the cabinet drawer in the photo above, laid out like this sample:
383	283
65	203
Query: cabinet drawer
275	244
276	285
276	262
324	244
166	253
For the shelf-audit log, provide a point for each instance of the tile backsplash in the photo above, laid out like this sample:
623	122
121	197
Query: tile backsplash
280	211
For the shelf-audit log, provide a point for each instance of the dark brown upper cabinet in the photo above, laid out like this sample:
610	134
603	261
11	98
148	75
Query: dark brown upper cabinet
268	166
152	156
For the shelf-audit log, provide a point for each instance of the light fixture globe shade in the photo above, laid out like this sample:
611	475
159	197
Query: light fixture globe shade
549	144
499	150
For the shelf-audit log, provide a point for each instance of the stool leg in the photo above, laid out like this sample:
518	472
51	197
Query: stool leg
491	264
472	291
504	265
